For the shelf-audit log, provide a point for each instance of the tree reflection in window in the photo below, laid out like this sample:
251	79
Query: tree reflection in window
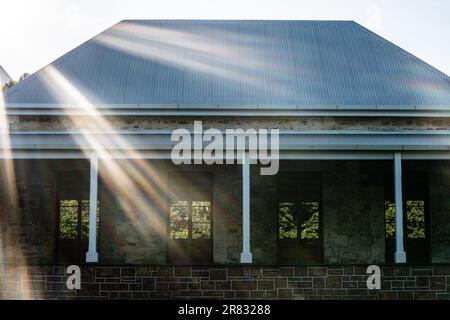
68	219
201	220
389	213
415	219
74	219
415	212
287	220
310	225
179	219
190	220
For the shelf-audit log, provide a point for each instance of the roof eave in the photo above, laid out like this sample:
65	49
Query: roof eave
33	109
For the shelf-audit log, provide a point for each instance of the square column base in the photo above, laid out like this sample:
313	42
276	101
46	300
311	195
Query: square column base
400	257
246	257
91	256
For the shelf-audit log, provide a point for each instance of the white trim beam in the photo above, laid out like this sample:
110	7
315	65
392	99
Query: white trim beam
35	109
284	155
289	140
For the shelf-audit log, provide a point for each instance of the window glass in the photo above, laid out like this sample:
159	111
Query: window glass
415	212
190	205
85	218
287	221
179	220
201	220
310	225
68	221
389	213
69	215
415	219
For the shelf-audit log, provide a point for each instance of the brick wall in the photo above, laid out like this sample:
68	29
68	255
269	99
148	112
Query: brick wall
226	282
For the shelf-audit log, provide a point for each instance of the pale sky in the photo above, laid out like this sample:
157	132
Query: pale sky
33	33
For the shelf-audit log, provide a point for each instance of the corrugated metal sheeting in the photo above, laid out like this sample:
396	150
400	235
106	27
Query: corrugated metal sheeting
274	63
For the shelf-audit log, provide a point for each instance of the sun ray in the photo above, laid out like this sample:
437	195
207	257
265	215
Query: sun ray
223	56
12	257
129	178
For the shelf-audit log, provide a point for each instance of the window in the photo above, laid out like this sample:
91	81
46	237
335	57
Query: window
299	239
389	212
309	229
288	222
72	217
190	217
190	220
415	219
415	216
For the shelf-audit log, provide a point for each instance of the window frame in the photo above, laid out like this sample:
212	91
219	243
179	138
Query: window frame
190	221
410	190
295	177
79	198
190	176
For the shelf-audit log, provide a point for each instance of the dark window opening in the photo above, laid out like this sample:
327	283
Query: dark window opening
299	218
72	208
190	217
415	217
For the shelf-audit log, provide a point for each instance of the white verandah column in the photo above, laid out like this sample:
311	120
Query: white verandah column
246	255
400	255
92	255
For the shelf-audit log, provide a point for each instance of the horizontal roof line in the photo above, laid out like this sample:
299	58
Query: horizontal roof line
284	155
281	132
227	106
238	20
229	110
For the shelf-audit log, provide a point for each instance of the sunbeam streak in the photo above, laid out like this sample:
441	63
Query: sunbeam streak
129	179
12	258
220	56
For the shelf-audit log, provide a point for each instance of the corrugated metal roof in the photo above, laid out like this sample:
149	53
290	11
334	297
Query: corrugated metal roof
204	62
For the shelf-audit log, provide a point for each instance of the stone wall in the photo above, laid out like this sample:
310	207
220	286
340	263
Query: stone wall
283	123
27	222
133	226
440	215
353	214
226	282
227	223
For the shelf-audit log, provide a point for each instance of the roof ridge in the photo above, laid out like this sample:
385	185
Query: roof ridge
239	20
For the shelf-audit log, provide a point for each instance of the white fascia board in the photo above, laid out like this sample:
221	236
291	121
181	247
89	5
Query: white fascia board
300	140
32	109
284	155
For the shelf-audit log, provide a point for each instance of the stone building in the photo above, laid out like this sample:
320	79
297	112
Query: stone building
363	179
